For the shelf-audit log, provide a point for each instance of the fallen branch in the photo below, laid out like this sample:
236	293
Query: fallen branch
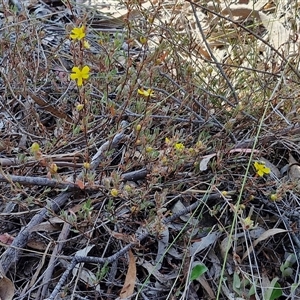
67	186
42	181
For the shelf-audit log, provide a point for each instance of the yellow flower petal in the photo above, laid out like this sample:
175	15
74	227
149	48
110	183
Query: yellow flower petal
79	81
248	223
266	170
85	72
149	93
73	76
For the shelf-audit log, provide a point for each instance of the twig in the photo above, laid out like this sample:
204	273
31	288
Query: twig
218	64
135	175
67	186
42	181
57	249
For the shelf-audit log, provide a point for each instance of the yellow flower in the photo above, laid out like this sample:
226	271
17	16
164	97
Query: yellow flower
35	147
138	127
78	33
167	141
114	192
147	93
79	107
274	197
149	149
248	223
86	165
53	168
143	40
86	45
179	146
128	188
80	74
261	169
199	144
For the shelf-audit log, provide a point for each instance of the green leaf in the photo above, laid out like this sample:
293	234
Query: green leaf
197	271
274	291
287	272
277	292
236	282
291	259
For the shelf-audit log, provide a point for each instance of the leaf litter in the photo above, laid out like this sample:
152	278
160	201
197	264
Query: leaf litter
226	86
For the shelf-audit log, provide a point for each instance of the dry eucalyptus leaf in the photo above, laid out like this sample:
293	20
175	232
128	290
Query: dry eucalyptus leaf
204	243
163	278
227	241
263	237
294	172
163	244
205	160
186	218
292	160
128	287
204	283
277	33
6	289
239	10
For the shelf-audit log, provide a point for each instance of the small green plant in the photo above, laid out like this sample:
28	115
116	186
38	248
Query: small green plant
285	267
86	210
242	286
101	273
274	291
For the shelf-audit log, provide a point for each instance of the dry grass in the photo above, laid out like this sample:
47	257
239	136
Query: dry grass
90	172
